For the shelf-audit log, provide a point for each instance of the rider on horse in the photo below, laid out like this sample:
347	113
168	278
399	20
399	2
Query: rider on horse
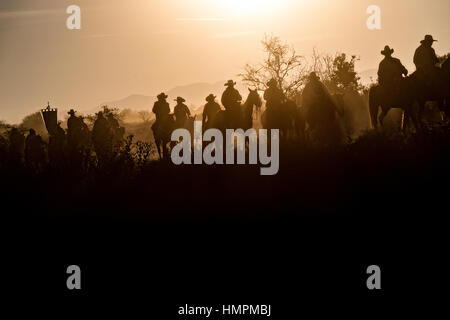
74	127
314	89
274	97
425	60
390	70
231	96
210	111
161	110
320	111
231	100
181	112
317	101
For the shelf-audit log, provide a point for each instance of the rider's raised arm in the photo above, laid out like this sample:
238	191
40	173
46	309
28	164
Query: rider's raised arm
402	68
434	56
238	96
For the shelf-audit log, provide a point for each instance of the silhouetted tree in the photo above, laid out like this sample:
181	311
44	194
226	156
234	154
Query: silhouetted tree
337	72
343	74
290	70
145	116
281	62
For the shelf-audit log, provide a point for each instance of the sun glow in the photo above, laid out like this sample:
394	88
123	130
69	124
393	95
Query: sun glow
245	8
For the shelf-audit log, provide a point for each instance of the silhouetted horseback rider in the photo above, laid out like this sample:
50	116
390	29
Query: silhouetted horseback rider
85	134
74	128
231	96
116	130
425	60
16	145
231	100
34	150
317	101
425	57
56	145
274	97
390	70
181	112
320	111
102	137
314	89
161	110
210	111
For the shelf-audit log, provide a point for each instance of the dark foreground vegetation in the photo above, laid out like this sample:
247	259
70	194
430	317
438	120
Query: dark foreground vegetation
382	173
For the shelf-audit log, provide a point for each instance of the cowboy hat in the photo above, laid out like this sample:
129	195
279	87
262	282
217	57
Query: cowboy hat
314	76
387	51
71	112
179	99
428	38
230	83
211	97
162	95
272	82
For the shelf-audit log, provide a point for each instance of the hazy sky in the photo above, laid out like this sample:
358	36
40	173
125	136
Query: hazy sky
145	46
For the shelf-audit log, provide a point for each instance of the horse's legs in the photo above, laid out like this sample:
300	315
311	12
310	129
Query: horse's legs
420	109
374	117
447	108
443	109
165	150
159	149
384	112
405	120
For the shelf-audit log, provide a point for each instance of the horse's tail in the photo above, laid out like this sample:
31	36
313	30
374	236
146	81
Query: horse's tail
373	105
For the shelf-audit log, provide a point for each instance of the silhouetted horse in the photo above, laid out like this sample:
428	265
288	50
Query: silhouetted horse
284	117
320	116
387	98
239	118
446	76
435	90
163	134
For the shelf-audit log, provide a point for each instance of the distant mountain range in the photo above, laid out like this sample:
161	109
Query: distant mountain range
194	94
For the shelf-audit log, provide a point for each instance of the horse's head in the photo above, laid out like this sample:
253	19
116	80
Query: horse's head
171	118
254	98
446	66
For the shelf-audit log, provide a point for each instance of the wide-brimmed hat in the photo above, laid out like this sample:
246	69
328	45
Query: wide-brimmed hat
272	82
162	95
230	83
71	112
313	76
387	51
428	38
211	97
179	99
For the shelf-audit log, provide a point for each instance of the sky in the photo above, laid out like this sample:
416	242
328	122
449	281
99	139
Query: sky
147	46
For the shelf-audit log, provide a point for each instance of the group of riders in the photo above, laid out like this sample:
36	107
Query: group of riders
66	148
396	89
318	107
318	110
